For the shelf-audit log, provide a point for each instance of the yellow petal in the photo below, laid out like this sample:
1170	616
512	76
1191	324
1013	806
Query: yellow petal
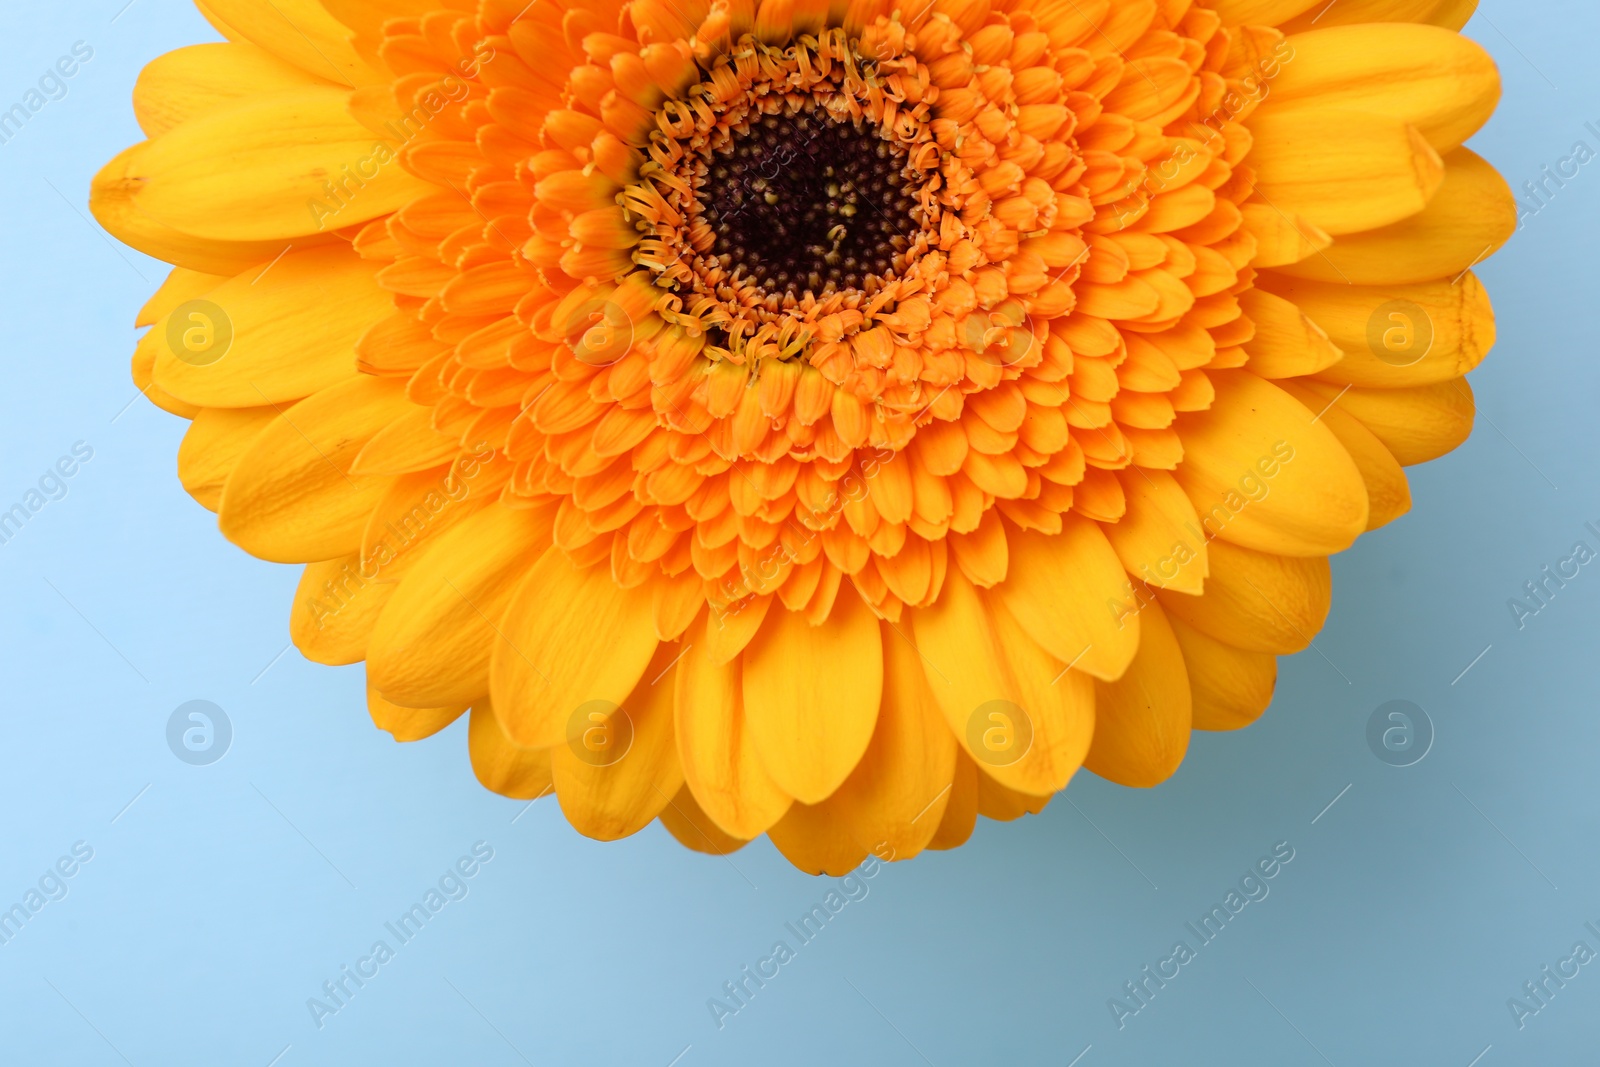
299	31
956	641
1397	335
281	151
729	631
111	200
416	509
410	724
291	499
1471	215
181	286
189	82
961	810
339	602
433	641
1442	83
520	773
893	801
140	368
408	444
1259	12
617	770
1287	343
1345	171
1063	589
1016	710
1143	719
694	829
1257	601
811	695
1058	705
282	334
1281	238
1262	472
217	22
212	447
813	839
1417	424
335	609
678	601
569	638
1452	14
366	17
1352	12
1231	687
1158	539
997	802
1388	490
719	760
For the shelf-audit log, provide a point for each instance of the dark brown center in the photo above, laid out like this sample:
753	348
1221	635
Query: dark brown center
806	203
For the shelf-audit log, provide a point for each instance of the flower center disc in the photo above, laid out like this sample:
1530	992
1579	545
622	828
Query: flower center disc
806	203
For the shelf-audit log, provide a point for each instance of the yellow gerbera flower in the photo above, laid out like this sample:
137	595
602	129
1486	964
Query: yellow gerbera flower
832	419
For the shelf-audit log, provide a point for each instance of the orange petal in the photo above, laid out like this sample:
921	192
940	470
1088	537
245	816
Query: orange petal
433	642
569	638
1231	687
961	810
1064	590
617	770
895	798
1263	472
694	829
811	696
409	724
1258	601
715	747
291	498
519	773
814	839
335	610
997	802
1142	720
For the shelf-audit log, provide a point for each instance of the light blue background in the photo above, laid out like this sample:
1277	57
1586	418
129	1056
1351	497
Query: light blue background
225	895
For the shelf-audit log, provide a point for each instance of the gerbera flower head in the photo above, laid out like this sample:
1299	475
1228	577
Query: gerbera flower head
831	420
